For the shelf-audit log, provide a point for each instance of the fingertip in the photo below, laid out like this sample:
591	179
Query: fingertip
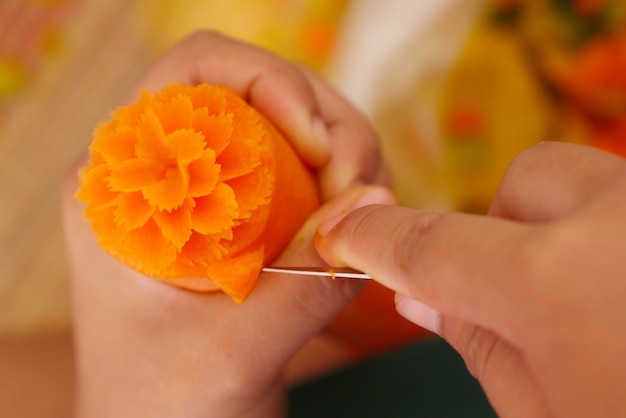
418	312
362	196
307	133
329	224
305	128
365	196
283	94
321	243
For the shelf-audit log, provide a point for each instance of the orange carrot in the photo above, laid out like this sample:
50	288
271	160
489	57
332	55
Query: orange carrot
193	186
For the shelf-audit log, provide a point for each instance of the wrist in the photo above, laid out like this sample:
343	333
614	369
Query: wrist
126	370
146	348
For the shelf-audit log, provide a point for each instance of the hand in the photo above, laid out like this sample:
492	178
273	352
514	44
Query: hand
329	134
532	296
146	348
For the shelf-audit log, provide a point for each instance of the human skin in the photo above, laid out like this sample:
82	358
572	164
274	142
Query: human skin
37	378
145	348
531	295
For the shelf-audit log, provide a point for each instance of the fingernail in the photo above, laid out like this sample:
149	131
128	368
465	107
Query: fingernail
321	132
418	312
326	226
370	196
374	195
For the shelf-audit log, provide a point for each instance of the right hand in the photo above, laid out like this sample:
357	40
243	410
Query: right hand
532	296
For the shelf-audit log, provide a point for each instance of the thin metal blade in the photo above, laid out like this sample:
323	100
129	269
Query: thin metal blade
334	272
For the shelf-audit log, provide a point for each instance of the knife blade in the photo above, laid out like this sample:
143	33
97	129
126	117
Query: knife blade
333	272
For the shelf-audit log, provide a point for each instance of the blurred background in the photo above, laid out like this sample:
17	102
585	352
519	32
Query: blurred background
455	88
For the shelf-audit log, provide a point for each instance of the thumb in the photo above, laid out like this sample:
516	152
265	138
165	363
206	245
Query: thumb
434	258
322	296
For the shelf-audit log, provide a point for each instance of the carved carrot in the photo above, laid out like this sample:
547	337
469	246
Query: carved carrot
193	186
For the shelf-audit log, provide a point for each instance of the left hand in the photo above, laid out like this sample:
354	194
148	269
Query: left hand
328	133
146	348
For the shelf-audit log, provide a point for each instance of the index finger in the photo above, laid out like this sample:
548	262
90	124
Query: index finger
356	154
467	266
552	179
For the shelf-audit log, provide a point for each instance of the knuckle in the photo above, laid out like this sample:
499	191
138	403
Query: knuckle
530	160
544	254
283	70
277	76
411	238
363	227
364	220
196	46
540	261
480	349
475	345
525	163
201	37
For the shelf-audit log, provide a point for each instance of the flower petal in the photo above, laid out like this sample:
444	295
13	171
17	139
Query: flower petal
216	212
115	147
181	271
248	232
237	276
134	175
132	210
201	249
177	114
150	137
110	234
204	174
176	225
242	156
210	97
169	192
94	190
147	250
185	146
252	190
130	116
143	248
217	130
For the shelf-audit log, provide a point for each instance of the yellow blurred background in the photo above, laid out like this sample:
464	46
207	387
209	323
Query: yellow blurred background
64	64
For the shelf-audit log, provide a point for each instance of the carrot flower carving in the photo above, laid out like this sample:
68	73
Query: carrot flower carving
193	186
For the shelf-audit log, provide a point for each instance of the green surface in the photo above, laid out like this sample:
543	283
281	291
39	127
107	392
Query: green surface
427	379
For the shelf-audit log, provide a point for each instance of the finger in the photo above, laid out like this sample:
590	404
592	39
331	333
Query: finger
499	367
356	156
552	179
284	311
418	312
304	305
115	303
467	266
312	302
274	87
